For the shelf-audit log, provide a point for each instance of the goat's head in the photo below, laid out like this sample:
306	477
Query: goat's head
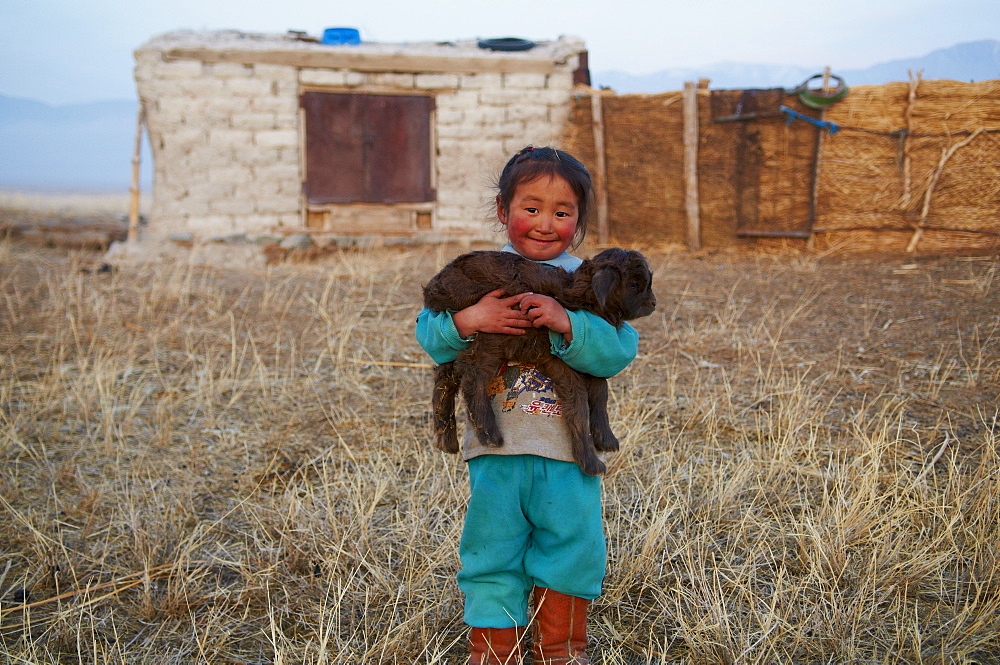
622	283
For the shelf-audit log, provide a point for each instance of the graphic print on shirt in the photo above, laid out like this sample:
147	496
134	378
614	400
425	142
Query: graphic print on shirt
514	380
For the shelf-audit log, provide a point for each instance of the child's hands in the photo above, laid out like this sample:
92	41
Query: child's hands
493	314
545	311
512	314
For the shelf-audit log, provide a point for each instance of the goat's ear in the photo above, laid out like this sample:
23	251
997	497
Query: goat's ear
604	283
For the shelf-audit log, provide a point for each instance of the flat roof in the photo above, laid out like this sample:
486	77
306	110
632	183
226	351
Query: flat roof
295	49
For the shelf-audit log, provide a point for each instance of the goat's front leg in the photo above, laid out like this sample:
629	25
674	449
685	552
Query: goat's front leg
600	426
446	384
572	393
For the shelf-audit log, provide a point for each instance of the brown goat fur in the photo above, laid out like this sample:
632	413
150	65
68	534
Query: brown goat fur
616	284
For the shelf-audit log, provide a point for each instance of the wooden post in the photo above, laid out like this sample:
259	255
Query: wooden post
826	80
133	212
814	184
600	177
817	161
691	165
905	139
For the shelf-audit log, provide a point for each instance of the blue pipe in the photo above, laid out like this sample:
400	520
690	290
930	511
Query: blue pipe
822	124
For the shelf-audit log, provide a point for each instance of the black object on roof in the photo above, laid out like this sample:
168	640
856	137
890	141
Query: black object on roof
507	44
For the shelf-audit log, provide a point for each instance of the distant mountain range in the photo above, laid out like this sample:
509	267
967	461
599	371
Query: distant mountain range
90	146
971	61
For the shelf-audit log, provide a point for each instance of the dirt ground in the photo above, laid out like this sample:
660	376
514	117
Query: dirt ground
923	327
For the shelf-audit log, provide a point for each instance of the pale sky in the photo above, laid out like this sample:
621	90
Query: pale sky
76	51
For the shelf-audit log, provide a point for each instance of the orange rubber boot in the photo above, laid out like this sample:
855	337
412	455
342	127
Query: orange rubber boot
495	646
560	629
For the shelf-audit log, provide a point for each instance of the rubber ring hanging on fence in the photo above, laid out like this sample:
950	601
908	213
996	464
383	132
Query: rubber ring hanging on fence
817	99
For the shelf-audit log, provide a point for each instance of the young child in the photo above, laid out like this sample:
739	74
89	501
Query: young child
533	524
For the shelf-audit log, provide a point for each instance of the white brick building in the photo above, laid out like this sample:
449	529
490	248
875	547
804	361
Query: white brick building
260	134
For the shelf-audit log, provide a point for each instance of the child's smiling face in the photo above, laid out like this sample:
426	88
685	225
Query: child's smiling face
542	217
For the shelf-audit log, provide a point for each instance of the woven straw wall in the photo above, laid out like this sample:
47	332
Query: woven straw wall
879	185
644	155
874	174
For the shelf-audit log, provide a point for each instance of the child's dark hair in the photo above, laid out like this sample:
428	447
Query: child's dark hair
531	163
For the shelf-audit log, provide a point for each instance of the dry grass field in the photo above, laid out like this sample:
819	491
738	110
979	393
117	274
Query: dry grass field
220	465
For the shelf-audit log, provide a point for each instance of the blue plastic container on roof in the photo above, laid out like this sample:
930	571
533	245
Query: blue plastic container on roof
341	36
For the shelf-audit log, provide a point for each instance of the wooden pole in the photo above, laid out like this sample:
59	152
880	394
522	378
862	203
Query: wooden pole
133	212
817	163
814	185
691	165
905	139
600	177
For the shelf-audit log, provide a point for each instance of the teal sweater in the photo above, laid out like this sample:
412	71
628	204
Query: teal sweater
598	348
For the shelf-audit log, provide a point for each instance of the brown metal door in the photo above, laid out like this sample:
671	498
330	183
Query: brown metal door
334	154
367	148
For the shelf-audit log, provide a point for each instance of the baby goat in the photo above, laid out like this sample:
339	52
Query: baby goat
616	285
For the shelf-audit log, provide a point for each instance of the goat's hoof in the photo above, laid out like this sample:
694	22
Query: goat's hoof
605	442
447	442
490	440
593	467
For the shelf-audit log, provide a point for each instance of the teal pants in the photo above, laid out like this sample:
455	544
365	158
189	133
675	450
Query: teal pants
531	521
